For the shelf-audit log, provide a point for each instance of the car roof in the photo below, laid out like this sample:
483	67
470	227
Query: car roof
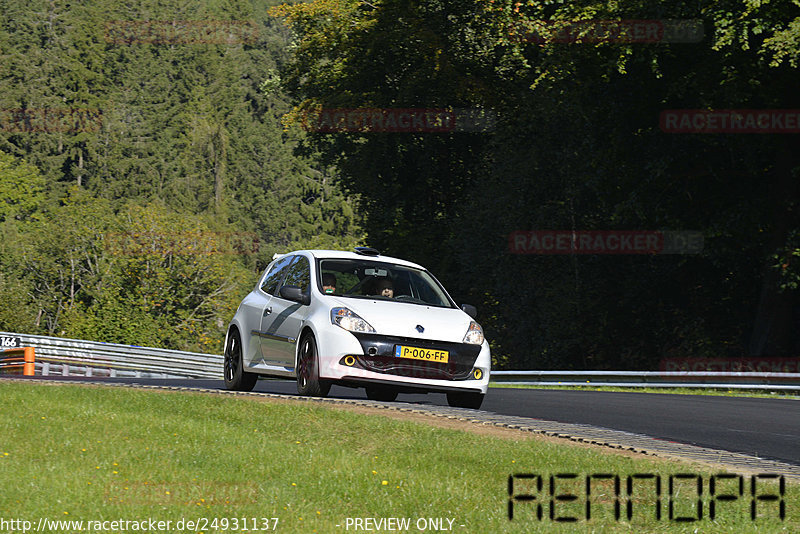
341	254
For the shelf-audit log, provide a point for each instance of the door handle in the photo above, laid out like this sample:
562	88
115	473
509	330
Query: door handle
267	311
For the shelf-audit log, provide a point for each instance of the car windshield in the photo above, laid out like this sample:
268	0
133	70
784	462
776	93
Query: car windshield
382	281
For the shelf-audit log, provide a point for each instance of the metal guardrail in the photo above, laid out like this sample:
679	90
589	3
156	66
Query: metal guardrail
653	379
71	357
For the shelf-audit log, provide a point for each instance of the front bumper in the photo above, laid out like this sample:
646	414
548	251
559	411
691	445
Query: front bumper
368	359
379	356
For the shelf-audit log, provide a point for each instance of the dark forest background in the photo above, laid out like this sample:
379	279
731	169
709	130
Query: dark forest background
206	141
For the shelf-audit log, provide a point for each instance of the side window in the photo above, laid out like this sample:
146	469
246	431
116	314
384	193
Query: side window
273	279
299	274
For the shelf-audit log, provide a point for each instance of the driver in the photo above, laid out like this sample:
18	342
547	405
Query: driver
329	283
385	288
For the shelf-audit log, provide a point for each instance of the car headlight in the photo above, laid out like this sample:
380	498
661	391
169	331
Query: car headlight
350	321
474	334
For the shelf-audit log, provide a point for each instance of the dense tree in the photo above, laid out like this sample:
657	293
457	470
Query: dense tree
147	119
22	186
167	146
577	146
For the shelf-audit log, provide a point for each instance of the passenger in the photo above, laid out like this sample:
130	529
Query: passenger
385	288
329	283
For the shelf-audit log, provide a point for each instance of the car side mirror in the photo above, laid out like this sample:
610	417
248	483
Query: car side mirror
295	294
470	310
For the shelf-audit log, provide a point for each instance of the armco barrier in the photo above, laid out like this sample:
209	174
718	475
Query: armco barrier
17	361
653	379
71	357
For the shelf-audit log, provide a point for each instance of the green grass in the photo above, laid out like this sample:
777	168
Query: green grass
73	452
673	391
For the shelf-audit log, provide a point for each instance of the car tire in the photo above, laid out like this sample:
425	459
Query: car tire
236	378
465	400
308	380
381	394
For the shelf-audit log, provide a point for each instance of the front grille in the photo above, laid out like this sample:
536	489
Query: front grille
414	369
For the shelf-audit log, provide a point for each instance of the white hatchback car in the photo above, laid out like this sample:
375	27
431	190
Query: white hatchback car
357	319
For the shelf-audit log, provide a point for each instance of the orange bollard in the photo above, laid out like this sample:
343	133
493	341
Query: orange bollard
29	367
16	360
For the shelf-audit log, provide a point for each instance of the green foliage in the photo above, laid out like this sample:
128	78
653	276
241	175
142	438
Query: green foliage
787	262
21	188
114	320
577	145
188	285
173	142
17	313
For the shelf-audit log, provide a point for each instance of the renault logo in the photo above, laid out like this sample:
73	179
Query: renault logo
420	329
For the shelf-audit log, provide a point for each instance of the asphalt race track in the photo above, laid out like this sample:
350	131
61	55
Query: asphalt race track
763	427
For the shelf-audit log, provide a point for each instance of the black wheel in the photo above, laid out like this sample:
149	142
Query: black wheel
236	378
465	400
381	394
308	380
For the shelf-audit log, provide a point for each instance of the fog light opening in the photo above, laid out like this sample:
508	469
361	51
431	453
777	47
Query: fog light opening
477	374
349	361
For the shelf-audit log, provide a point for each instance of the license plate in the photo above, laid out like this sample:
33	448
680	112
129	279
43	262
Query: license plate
417	353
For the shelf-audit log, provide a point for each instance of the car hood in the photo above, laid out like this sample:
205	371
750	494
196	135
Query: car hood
401	319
